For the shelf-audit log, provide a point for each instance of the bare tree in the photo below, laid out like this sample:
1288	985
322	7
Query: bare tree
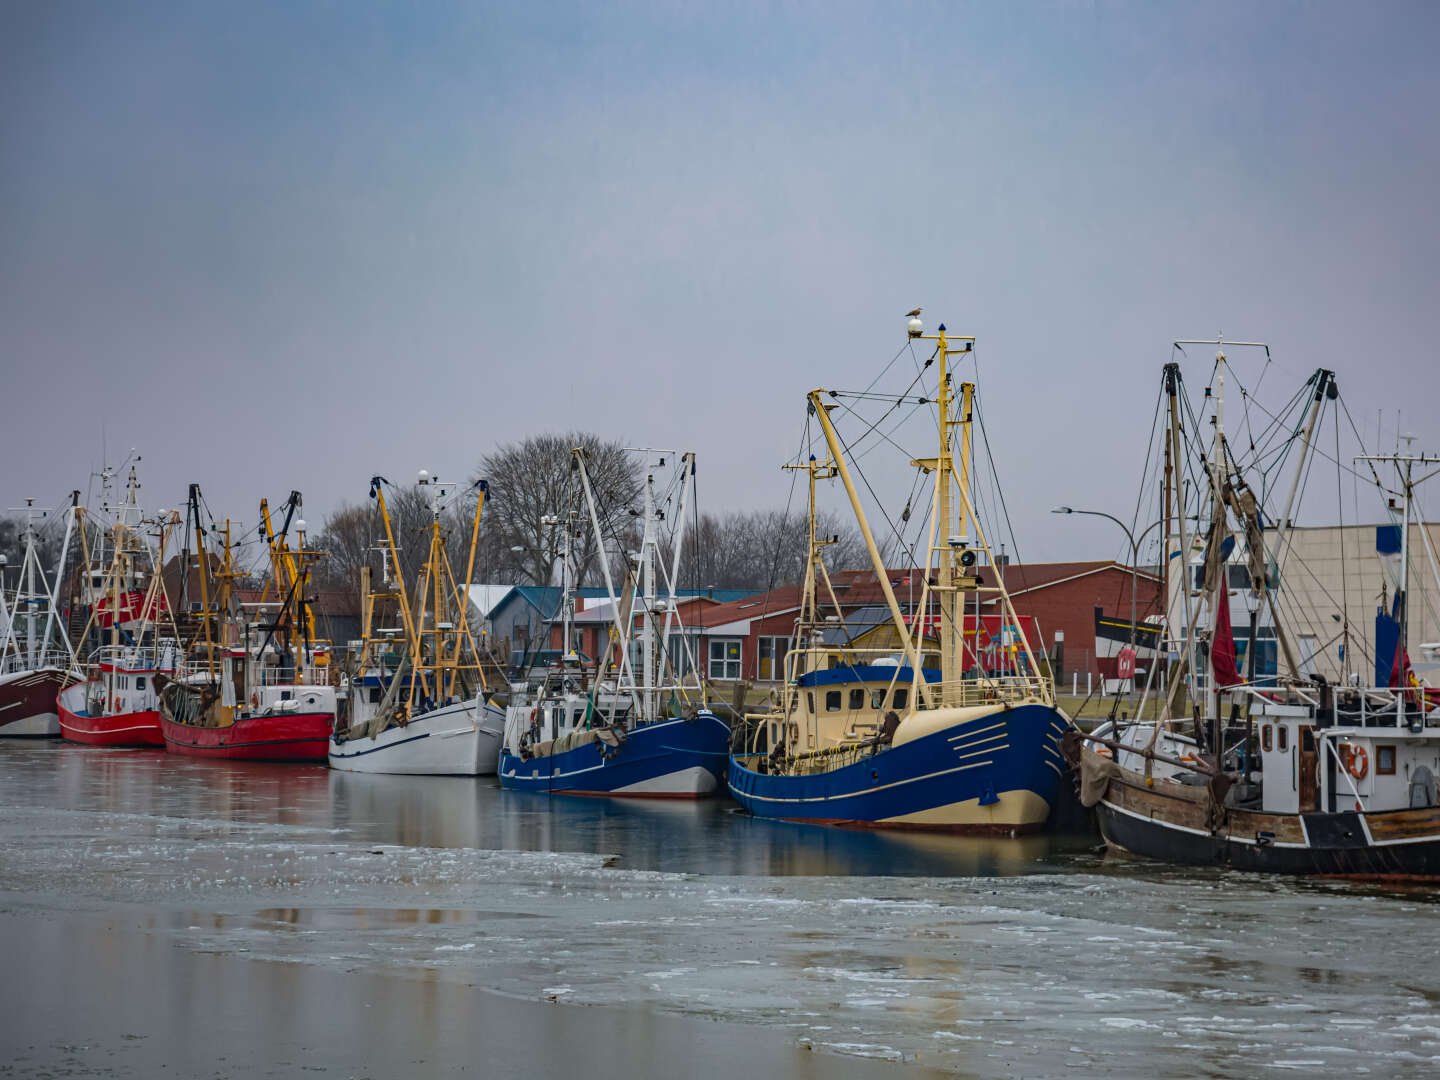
536	496
764	548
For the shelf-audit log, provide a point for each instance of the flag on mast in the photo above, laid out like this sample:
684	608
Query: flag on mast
1222	649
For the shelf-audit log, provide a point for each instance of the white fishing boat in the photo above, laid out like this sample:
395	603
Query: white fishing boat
416	701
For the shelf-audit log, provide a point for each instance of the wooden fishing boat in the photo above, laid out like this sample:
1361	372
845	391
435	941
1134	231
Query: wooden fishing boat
36	657
417	701
254	690
619	731
1319	779
921	735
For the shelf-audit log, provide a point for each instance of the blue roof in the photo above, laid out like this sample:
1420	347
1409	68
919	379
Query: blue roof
865	673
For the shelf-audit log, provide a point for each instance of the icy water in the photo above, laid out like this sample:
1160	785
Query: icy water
715	943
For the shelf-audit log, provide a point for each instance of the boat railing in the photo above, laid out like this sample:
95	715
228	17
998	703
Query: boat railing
284	675
49	658
136	657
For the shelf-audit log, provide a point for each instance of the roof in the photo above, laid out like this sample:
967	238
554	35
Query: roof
485	598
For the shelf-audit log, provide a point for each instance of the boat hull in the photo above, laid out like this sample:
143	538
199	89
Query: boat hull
669	759
994	774
1177	826
274	737
457	740
27	702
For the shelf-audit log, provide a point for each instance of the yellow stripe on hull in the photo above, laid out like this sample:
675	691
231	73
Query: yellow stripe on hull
1016	810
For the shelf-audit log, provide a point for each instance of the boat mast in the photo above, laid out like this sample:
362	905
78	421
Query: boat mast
647	587
822	413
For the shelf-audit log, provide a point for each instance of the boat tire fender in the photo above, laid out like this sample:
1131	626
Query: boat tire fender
1357	762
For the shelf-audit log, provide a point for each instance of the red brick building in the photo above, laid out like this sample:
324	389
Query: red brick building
747	639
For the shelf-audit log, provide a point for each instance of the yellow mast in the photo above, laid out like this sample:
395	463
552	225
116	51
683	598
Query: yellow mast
822	411
956	577
412	635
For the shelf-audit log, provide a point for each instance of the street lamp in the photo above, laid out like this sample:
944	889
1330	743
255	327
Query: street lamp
1134	559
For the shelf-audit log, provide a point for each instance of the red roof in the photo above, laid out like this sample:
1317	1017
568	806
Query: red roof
860	588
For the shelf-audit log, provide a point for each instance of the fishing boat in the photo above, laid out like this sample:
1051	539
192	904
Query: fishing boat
416	695
253	690
921	735
631	726
1288	772
117	704
36	657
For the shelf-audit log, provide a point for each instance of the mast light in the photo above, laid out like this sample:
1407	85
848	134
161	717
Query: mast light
915	327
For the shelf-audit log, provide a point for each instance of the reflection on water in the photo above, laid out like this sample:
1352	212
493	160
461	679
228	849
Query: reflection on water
991	957
708	836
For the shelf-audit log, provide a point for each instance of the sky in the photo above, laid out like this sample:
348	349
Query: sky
292	245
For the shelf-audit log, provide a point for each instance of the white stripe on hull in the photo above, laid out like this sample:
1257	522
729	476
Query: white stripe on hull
696	780
37	724
1016	810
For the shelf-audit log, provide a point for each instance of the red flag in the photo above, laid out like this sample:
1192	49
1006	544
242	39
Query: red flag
1222	649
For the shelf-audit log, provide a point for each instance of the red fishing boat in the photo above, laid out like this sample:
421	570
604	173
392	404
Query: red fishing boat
266	696
117	703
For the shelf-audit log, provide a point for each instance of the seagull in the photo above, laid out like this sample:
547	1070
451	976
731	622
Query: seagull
913	314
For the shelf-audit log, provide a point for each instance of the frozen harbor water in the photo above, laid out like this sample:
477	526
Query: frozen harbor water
978	957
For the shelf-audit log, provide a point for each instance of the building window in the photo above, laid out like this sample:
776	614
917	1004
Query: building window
1385	760
725	658
857	699
832	701
771	658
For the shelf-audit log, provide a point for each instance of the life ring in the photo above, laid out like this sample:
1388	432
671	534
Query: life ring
1357	761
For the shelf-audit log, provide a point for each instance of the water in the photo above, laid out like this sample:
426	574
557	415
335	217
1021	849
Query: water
978	957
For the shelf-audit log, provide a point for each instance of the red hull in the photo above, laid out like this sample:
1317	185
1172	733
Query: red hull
117	729
29	694
293	737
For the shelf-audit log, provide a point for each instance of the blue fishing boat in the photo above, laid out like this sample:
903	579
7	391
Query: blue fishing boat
923	730
629	726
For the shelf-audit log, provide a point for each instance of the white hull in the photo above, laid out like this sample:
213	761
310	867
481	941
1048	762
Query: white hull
458	740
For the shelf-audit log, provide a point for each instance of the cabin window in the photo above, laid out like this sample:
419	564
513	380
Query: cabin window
725	658
857	699
1265	739
1282	738
1385	760
140	682
810	700
286	695
374	695
832	701
577	717
770	661
901	698
877	699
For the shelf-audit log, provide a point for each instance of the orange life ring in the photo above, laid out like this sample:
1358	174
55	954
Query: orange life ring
1357	761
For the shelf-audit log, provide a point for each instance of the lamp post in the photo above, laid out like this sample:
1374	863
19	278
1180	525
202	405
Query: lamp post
1134	559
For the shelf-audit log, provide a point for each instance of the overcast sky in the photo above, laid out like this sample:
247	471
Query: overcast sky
291	245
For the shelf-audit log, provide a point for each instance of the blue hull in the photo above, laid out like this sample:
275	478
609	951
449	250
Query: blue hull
674	759
994	774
